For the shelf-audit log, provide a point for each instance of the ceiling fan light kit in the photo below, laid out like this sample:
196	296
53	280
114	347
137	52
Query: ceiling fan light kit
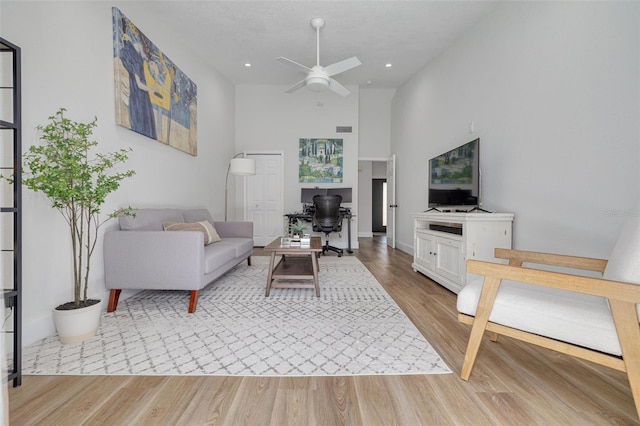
318	77
317	81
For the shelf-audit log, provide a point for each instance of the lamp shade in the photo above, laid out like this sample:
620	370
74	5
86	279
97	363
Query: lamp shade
242	166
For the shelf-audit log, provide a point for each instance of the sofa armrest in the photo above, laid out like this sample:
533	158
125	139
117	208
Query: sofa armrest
234	229
153	260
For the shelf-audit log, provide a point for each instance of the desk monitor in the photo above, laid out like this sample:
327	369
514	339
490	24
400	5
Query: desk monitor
306	194
345	192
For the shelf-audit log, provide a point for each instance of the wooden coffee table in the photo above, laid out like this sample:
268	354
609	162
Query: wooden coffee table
298	263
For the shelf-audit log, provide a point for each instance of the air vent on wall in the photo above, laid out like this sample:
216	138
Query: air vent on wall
343	129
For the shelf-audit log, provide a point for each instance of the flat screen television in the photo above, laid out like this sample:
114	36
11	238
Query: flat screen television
454	177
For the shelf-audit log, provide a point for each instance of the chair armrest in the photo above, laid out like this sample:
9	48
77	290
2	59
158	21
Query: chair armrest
518	257
234	229
153	260
614	290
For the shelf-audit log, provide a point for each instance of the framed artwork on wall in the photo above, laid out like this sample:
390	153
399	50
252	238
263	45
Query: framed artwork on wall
153	96
320	160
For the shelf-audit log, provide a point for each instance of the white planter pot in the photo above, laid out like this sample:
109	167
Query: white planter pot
77	325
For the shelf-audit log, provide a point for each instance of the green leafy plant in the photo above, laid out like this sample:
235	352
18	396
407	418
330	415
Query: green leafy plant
297	227
77	186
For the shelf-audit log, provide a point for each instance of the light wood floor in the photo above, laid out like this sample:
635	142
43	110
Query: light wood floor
512	383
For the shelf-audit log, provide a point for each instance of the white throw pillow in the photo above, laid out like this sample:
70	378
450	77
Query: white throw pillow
210	233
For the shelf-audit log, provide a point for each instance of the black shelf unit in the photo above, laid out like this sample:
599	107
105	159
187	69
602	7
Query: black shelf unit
11	208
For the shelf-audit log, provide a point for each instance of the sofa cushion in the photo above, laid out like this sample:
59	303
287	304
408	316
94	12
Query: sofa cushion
242	245
149	219
210	234
562	315
197	215
216	255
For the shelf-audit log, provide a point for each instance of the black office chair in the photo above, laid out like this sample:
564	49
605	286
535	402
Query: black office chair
327	218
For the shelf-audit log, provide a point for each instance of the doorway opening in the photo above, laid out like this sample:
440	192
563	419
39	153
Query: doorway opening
379	206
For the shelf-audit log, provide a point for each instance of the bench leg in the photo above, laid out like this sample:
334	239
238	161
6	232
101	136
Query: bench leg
193	301
485	305
114	295
625	317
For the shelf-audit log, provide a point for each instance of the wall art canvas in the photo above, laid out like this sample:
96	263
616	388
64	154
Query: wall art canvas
320	160
153	96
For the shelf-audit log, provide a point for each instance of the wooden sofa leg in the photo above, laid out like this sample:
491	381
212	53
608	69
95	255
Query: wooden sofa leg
249	260
193	301
485	305
625	317
114	295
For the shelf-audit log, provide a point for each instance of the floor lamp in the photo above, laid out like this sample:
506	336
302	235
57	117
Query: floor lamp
238	166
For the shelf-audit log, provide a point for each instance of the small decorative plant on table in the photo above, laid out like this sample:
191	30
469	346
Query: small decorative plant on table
77	186
297	229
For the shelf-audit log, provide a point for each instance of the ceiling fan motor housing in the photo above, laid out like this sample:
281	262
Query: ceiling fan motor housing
318	77
317	80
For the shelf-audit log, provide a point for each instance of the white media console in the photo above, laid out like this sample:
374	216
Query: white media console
443	242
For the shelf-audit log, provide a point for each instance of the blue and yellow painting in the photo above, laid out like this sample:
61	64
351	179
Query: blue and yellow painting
153	96
320	160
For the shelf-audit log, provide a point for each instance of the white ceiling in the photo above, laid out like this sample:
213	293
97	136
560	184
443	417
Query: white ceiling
407	34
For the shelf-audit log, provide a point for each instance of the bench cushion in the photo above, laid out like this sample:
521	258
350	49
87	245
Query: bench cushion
624	262
576	318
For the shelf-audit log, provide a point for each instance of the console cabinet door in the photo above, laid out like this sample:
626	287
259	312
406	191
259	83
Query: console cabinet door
448	259
424	250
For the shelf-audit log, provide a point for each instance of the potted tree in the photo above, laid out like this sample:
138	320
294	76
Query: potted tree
77	185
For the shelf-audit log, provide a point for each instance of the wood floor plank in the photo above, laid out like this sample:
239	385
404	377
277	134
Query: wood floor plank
336	401
254	402
512	382
376	402
211	402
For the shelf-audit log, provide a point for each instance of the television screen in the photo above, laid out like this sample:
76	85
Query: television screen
454	177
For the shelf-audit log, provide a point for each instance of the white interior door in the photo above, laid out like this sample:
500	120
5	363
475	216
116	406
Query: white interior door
391	199
264	202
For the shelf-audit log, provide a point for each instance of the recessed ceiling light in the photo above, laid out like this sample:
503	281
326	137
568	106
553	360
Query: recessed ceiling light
388	65
247	64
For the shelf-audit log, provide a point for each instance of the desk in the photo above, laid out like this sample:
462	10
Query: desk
307	217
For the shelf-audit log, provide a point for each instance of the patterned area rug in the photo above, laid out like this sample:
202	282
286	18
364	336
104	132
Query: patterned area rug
353	328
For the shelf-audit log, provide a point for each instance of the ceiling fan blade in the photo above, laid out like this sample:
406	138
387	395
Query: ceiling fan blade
298	85
342	66
338	88
294	63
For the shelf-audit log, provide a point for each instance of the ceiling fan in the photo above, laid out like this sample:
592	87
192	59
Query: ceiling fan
318	77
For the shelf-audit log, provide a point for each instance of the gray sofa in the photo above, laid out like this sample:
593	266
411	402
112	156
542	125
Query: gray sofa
141	255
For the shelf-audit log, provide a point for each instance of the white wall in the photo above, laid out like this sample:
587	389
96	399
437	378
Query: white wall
553	90
364	199
374	111
67	60
269	119
375	123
